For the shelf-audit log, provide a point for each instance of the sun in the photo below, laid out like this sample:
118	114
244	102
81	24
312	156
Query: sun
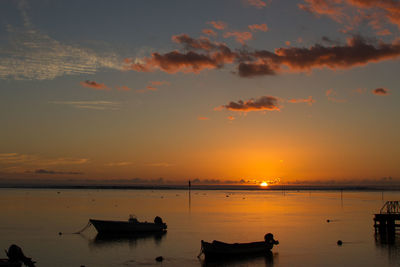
264	184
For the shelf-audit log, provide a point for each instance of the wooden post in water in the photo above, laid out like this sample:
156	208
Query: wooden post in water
190	197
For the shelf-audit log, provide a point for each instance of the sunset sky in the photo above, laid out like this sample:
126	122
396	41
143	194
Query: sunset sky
225	90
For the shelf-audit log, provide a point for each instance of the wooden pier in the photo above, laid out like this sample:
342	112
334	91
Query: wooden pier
385	221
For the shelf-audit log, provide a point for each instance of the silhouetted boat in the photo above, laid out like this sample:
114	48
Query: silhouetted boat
128	227
16	258
218	249
7	263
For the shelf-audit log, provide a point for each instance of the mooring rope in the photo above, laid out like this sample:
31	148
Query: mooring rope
79	232
201	252
84	228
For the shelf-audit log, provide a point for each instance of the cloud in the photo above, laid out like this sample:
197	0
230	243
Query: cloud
253	69
360	91
263	103
357	52
219	25
29	54
204	54
258	27
160	164
308	100
380	91
351	13
240	37
209	32
43	171
97	104
203	43
257	3
200	118
211	55
123	88
17	162
231	118
94	85
331	94
119	164
159	83
11	158
152	86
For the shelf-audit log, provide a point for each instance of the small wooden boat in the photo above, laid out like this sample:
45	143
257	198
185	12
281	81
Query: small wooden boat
8	263
128	227
16	258
218	249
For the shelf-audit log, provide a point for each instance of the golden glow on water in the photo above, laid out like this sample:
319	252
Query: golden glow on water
245	216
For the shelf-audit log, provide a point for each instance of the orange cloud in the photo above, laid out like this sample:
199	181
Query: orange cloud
219	25
353	12
357	52
231	118
360	90
204	54
331	94
202	118
308	100
263	103
215	56
240	37
380	91
203	43
94	85
152	86
209	32
258	27
257	3
123	88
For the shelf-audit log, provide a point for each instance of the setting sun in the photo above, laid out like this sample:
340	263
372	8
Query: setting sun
264	184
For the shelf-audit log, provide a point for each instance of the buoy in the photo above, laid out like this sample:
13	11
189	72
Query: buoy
59	233
328	221
339	242
160	259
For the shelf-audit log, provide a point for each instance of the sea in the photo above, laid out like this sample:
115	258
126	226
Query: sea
307	223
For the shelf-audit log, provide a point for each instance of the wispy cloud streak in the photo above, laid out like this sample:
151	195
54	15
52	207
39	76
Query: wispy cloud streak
33	55
96	104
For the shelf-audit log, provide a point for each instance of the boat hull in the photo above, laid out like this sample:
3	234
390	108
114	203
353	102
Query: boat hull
120	227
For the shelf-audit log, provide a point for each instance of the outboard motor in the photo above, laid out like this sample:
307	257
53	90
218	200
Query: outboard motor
158	220
15	254
269	239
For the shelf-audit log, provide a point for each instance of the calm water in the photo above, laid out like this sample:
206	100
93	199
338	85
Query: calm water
32	219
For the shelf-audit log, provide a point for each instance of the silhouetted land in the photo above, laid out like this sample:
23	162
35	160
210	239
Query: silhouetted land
211	187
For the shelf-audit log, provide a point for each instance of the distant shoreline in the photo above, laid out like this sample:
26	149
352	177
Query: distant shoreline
211	187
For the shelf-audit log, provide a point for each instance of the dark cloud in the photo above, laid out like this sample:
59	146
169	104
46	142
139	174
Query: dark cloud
94	85
203	43
43	171
219	25
205	54
380	91
357	52
249	70
211	55
263	103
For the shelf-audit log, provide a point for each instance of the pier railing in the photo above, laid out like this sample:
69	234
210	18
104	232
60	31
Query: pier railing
385	221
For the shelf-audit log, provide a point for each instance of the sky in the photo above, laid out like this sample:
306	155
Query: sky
227	91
